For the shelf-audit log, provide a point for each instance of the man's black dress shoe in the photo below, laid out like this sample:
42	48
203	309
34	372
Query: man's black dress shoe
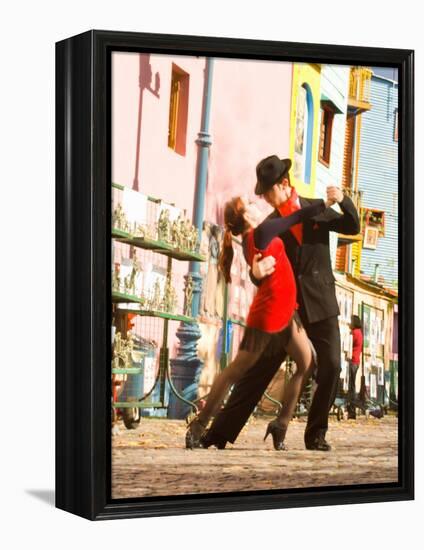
318	444
207	440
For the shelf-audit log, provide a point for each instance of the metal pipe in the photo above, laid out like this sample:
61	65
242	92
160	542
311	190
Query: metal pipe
204	142
224	352
186	366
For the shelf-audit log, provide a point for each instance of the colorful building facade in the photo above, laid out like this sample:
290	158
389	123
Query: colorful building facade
310	113
331	138
332	124
364	287
349	247
378	183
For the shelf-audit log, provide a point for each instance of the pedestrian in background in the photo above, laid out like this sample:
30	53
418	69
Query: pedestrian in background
355	361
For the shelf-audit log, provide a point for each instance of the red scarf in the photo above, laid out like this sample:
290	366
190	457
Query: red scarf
287	208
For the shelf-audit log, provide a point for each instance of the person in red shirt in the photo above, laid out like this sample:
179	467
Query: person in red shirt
272	323
357	338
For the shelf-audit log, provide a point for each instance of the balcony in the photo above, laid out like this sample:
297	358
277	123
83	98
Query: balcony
359	90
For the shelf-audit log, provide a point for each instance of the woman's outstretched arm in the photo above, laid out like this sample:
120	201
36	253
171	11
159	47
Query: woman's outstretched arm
268	229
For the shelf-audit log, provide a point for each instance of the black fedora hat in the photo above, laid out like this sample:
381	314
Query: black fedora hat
269	171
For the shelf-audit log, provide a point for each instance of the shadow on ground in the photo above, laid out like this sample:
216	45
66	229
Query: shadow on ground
45	495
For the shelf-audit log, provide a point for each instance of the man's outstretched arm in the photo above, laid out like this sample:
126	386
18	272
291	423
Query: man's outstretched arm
346	223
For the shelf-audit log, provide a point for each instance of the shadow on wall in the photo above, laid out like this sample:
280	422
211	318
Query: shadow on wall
145	78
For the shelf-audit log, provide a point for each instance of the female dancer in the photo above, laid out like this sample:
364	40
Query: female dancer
272	323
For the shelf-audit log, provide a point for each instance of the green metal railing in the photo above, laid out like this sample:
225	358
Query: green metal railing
164	372
121	299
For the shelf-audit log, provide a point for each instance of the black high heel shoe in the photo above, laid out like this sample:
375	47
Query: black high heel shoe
194	433
278	434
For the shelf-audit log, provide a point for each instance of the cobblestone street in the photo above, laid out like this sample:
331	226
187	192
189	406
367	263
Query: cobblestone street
152	460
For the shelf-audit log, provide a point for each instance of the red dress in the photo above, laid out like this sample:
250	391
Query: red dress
275	302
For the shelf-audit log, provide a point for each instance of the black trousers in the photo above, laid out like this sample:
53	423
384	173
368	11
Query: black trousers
325	336
351	409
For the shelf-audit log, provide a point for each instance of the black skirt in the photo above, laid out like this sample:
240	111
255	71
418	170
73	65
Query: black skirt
269	344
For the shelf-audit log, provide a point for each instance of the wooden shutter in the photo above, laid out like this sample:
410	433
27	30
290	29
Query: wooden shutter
341	258
348	152
173	110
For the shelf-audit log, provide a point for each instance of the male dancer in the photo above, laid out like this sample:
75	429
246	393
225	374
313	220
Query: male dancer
307	246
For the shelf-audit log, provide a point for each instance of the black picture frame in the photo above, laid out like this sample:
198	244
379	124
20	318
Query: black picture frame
83	279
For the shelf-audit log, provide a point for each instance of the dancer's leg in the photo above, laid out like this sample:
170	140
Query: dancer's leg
243	361
351	407
299	349
244	397
325	336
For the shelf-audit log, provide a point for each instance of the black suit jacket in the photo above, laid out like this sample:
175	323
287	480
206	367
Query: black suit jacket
311	261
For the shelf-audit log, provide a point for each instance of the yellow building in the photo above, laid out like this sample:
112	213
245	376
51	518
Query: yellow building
304	126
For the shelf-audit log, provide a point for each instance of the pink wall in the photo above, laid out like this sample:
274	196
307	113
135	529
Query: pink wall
162	173
250	117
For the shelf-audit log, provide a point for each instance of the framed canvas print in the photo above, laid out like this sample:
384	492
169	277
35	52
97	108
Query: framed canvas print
234	274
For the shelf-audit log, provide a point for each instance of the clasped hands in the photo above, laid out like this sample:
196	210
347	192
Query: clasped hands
334	194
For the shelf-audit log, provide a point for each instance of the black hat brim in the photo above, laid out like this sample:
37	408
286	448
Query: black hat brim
262	187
